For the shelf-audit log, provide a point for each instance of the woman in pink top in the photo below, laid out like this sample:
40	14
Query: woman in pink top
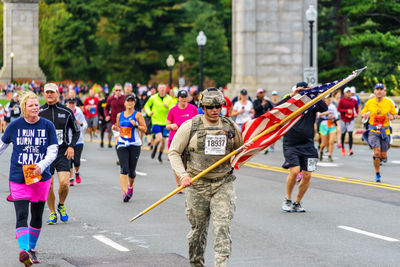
177	116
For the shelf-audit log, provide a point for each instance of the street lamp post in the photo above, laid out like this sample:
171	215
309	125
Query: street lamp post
311	15
170	64
12	66
181	80
201	42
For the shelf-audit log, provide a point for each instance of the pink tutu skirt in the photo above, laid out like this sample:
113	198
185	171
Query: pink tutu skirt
35	192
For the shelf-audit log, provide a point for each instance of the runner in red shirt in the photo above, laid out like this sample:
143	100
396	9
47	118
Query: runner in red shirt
227	108
90	110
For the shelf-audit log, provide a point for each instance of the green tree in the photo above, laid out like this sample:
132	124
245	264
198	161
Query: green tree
355	33
216	53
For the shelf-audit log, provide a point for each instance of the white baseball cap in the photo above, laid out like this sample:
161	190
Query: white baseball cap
51	87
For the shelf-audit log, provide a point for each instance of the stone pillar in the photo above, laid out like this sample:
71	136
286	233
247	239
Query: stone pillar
21	36
270	44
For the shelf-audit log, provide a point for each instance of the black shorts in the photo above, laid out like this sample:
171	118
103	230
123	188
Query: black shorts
77	155
61	164
7	119
305	156
105	125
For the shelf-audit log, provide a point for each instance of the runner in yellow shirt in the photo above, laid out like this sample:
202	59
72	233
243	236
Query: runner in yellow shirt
379	110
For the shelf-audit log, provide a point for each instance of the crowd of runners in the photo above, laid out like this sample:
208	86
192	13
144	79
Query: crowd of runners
129	116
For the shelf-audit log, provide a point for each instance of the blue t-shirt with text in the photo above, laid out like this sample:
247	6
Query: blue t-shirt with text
30	142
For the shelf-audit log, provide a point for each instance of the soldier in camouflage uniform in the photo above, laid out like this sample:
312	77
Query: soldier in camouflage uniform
198	144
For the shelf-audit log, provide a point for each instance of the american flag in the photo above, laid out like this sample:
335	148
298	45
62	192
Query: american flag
256	126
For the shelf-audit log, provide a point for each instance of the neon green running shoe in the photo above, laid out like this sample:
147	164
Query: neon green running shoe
52	218
63	213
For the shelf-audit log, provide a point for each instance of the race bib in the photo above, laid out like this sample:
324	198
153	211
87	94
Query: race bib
93	111
126	132
59	134
379	120
330	123
312	164
16	110
30	178
215	145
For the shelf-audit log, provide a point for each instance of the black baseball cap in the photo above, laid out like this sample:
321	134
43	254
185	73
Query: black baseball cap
302	84
130	97
182	93
243	92
70	100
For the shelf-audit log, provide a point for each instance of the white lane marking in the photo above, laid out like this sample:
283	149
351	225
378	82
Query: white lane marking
110	243
348	228
141	173
84	160
396	161
328	164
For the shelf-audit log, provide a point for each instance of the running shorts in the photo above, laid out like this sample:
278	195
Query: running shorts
305	156
61	163
375	140
324	130
347	126
155	129
92	122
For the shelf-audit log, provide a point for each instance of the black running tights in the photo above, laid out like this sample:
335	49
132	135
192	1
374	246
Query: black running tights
22	210
350	139
128	158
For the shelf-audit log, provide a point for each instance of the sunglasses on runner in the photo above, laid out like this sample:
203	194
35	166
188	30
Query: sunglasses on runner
212	107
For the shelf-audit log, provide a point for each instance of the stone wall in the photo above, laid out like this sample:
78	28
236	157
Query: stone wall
270	44
21	36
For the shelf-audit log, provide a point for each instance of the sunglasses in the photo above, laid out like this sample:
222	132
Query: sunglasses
212	107
379	88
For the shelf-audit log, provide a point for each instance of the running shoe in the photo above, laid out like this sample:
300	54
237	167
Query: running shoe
63	213
78	178
344	151
34	258
159	160
9	198
71	182
125	198
330	159
271	149
321	155
297	207
266	151
287	205
378	178
52	218
101	144
109	146
130	192
351	153
25	258
153	154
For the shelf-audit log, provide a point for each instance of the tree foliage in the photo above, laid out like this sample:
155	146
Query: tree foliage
356	33
119	40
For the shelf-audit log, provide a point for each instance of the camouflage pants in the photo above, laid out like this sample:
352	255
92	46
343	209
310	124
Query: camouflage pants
207	199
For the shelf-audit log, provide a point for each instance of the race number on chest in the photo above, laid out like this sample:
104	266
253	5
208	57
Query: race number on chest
215	145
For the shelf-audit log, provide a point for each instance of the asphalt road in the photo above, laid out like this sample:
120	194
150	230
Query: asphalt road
350	220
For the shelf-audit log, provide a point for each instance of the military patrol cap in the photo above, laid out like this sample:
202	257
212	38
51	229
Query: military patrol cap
211	97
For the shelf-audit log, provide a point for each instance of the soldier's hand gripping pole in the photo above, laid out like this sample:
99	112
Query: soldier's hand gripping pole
353	75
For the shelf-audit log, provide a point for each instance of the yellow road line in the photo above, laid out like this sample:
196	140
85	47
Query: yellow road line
316	175
326	177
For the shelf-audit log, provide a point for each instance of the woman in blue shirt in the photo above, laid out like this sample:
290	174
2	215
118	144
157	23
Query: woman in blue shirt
35	147
129	124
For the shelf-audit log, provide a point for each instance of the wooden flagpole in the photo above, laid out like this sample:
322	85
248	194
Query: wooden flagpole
353	75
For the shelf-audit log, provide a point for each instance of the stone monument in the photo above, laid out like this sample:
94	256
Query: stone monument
270	44
21	38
